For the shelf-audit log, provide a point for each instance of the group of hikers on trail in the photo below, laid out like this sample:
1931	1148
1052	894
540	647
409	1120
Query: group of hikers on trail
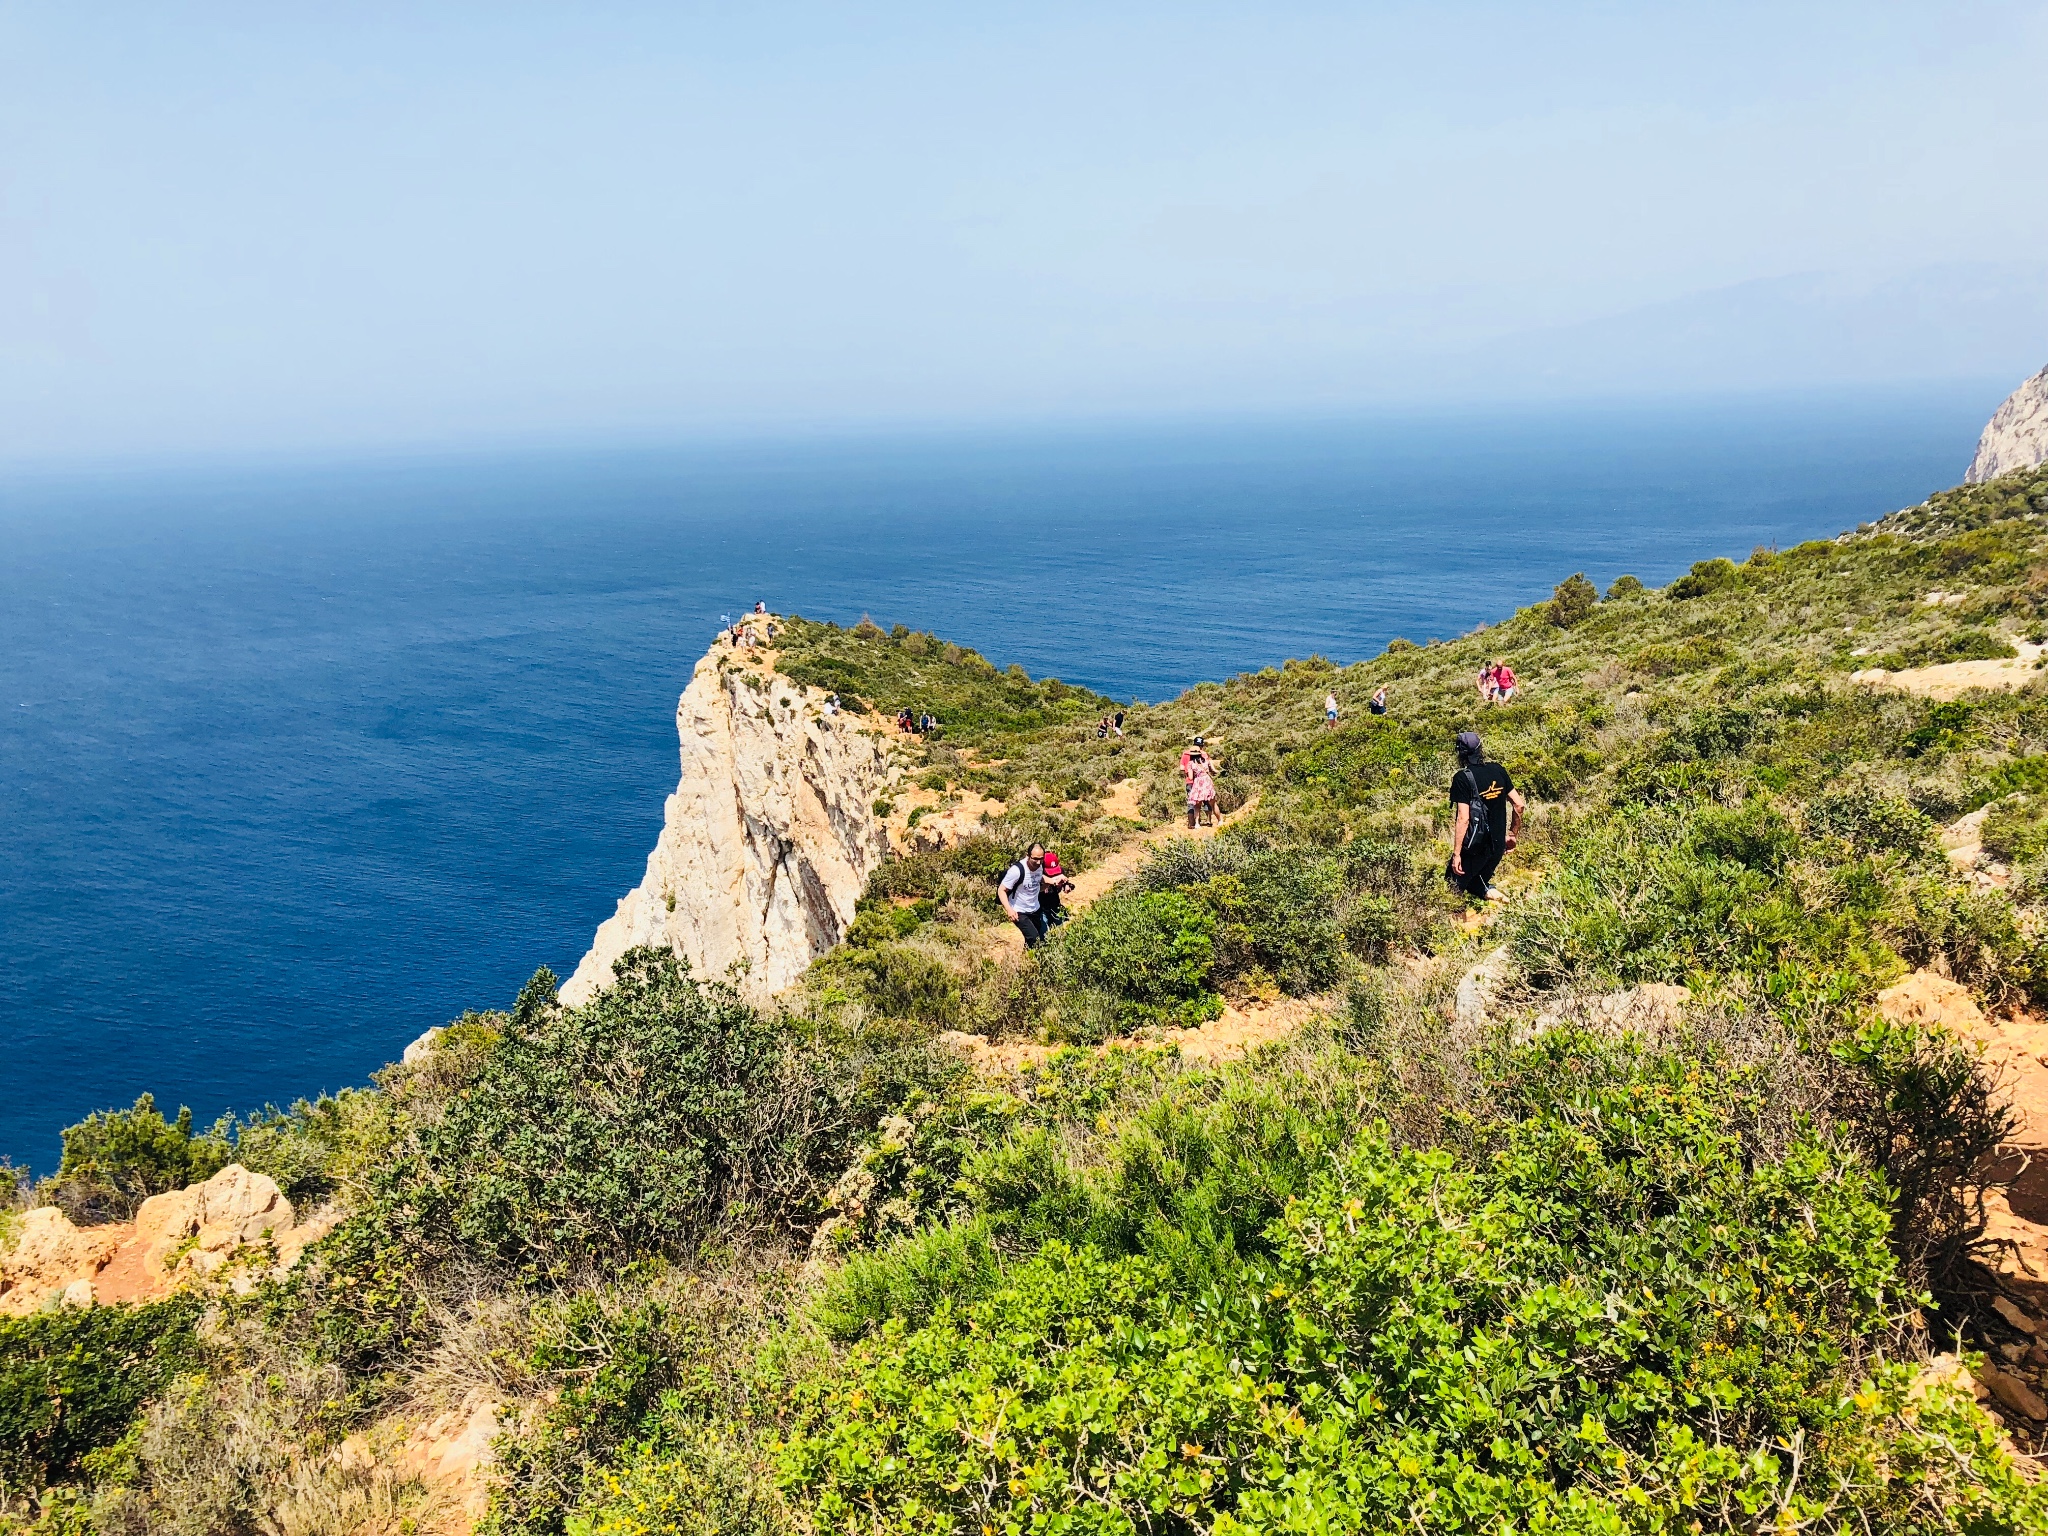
1496	682
1486	821
924	723
1377	705
1109	725
1030	892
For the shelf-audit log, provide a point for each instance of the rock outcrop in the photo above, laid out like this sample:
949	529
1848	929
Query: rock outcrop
237	1221
2016	437
767	841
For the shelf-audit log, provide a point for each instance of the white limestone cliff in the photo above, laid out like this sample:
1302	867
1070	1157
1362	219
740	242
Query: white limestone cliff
767	841
2016	437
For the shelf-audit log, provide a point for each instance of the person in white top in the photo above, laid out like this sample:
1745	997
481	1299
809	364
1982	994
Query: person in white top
1330	711
1019	891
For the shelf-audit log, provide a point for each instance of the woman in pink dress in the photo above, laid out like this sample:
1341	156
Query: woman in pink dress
1200	774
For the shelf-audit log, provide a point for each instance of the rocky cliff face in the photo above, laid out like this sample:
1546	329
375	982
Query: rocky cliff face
767	841
2017	435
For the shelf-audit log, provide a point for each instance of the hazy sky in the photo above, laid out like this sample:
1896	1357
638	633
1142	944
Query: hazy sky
268	227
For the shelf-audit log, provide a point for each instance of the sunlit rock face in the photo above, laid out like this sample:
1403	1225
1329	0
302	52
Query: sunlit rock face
2016	437
767	841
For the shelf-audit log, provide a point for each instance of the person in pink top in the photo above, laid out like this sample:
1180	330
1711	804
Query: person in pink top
1503	682
1199	770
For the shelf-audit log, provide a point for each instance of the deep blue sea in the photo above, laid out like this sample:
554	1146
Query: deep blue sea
298	760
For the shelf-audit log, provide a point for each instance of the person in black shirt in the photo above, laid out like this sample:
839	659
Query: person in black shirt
1487	813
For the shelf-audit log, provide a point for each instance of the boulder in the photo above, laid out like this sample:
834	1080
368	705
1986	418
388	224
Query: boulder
50	1257
195	1230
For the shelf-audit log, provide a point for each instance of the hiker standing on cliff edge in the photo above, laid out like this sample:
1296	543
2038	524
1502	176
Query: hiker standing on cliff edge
1487	814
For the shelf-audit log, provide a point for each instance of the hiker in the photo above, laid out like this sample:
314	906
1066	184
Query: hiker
1020	890
1379	700
1056	885
1488	686
1116	723
1102	728
1503	682
1487	813
831	704
1329	711
1199	770
760	607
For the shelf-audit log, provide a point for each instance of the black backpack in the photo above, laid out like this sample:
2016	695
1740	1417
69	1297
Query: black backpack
1477	827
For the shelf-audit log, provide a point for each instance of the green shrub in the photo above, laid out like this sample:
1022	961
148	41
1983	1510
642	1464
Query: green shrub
1659	893
1966	644
614	1130
1280	912
616	1359
1705	577
1873	822
2016	829
900	982
1945	728
1616	1322
115	1159
689	1481
1573	601
1623	586
1925	1114
1151	952
314	1147
909	1280
73	1378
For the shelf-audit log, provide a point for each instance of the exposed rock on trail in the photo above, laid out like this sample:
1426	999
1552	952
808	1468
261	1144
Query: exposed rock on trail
176	1238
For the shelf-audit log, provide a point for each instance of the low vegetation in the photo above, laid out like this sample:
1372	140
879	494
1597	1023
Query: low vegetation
729	1270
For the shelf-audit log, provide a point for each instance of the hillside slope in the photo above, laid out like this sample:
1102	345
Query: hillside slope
1648	1199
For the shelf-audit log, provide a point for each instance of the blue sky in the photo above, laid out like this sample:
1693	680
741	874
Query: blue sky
267	228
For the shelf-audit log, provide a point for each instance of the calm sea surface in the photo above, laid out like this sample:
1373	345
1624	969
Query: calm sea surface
296	762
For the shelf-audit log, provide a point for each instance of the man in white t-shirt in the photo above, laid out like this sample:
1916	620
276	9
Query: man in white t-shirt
1019	890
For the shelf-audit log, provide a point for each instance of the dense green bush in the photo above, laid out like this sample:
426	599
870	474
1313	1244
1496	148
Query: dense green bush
1573	601
1620	1320
1150	952
618	1129
613	1357
898	981
115	1159
72	1379
1967	644
1705	576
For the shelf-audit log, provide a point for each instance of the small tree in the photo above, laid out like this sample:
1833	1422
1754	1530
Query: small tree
1573	600
115	1159
1624	586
